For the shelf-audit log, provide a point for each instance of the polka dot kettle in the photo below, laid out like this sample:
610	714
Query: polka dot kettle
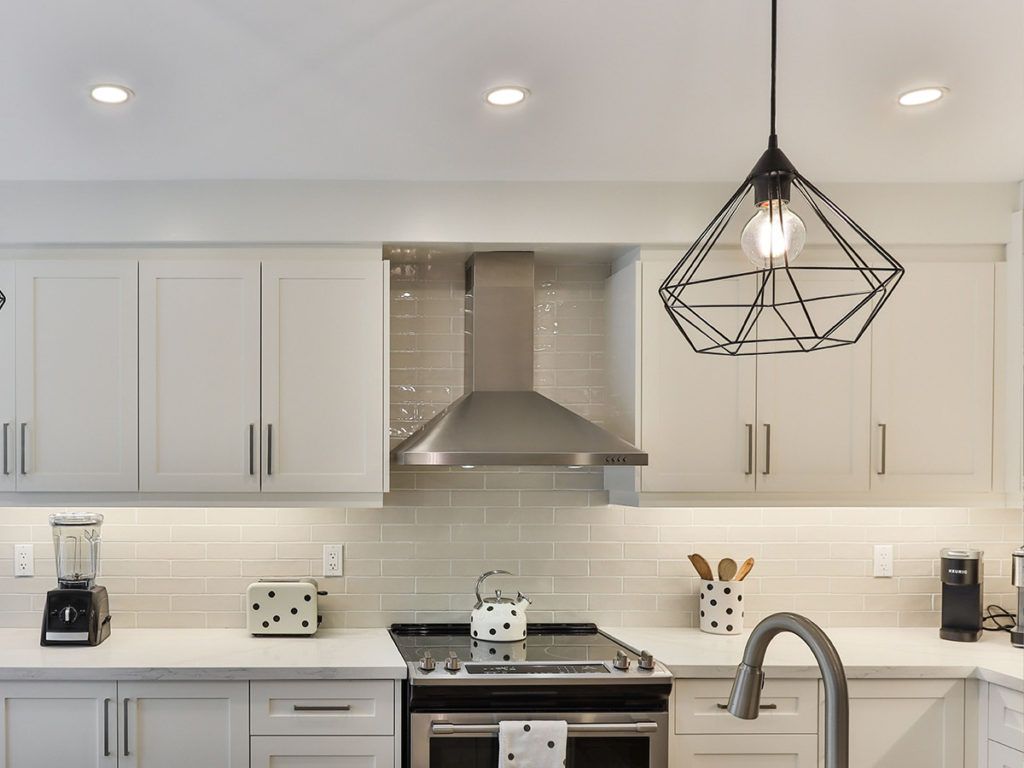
498	619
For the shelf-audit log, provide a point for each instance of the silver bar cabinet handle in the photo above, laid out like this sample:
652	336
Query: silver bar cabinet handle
441	729
106	727
270	449
762	707
7	468
24	425
252	455
321	707
881	469
767	449
750	450
126	726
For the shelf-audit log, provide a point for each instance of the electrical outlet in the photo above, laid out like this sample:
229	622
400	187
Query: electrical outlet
333	558
883	561
23	560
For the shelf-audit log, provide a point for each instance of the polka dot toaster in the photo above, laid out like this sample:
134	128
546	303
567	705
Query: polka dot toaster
498	619
282	607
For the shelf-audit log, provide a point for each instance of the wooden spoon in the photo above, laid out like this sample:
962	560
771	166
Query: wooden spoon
745	569
701	566
726	569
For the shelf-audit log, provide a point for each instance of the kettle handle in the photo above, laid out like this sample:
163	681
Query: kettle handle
480	582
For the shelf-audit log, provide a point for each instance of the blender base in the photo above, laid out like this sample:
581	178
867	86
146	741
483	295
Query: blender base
76	617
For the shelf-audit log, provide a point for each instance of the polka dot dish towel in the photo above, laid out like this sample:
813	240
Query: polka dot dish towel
532	743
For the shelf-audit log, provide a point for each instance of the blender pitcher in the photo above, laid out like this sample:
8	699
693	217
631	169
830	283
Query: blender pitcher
76	545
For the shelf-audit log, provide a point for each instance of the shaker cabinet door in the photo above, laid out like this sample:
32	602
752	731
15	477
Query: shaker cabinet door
8	422
77	375
199	375
323	376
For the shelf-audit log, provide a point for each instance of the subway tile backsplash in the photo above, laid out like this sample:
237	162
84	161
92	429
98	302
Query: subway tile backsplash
577	556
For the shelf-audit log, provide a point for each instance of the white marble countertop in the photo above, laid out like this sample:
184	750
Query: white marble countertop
866	653
204	654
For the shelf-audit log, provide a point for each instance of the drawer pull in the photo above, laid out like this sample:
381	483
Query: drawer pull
321	707
762	707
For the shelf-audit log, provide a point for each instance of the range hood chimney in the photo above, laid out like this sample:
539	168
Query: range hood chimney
501	421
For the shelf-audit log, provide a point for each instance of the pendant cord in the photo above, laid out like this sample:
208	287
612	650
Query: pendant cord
773	140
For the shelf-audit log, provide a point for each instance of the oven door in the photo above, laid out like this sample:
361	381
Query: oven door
607	739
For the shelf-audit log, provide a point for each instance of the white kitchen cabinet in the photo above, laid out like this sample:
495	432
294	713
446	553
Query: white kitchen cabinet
897	723
8	427
932	379
324	363
1006	717
199	375
697	411
746	751
66	724
77	375
323	751
169	724
1000	756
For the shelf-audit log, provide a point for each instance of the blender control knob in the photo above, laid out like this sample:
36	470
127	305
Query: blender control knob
68	614
452	663
646	662
427	663
621	661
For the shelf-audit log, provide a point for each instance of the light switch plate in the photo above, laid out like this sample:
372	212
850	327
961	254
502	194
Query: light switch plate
334	559
24	564
883	561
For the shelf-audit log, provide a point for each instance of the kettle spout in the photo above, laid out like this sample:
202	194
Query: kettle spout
522	600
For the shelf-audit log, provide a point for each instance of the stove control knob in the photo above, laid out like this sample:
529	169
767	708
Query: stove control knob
427	663
452	663
646	662
68	614
621	661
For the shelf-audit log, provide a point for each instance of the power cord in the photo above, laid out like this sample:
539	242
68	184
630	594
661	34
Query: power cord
997	614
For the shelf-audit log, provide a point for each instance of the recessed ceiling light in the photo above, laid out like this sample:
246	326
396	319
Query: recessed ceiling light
107	93
506	95
919	96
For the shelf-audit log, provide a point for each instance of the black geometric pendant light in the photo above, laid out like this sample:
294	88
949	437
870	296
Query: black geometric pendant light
762	298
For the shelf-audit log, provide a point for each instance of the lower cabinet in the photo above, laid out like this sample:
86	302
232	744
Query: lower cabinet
71	725
168	724
1001	756
323	751
748	750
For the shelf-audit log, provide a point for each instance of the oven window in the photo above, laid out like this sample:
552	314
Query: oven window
581	752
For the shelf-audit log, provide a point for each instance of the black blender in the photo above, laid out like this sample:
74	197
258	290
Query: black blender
78	611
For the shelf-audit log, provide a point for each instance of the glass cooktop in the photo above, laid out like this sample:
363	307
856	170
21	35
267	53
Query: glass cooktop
570	644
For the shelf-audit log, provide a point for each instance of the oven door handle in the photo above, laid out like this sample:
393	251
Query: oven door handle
447	729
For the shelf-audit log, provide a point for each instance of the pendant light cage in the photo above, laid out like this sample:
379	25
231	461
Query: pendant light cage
3	299
827	297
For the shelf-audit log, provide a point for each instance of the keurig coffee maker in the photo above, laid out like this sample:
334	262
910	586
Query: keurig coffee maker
77	612
961	571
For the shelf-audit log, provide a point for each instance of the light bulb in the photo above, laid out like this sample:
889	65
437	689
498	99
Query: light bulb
774	236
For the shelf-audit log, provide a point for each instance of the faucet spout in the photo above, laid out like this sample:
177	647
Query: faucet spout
744	701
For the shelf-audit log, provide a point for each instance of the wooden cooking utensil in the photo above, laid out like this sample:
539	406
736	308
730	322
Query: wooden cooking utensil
745	569
726	569
701	566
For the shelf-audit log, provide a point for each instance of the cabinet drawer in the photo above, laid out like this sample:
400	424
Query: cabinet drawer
748	750
322	751
1006	717
1000	756
787	706
322	708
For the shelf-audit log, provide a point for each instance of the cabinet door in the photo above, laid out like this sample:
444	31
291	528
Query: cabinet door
77	375
813	411
323	751
1004	757
323	376
169	724
199	375
932	381
745	751
71	725
697	411
8	427
896	723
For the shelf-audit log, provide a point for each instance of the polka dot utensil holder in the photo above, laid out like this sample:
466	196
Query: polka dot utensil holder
720	607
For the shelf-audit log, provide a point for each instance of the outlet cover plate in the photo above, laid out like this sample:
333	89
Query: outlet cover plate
23	560
883	561
334	559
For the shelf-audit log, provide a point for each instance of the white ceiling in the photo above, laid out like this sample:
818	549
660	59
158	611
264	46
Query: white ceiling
657	90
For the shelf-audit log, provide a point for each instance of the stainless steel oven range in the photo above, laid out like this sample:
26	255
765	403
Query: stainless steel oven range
460	688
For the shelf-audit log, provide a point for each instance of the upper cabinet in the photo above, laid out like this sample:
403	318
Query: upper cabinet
76	374
932	377
199	375
904	415
8	478
324	376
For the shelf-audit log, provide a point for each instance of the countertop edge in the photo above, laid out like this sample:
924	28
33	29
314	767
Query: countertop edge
56	674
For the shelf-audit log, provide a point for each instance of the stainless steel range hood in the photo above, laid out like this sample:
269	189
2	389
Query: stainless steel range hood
501	420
